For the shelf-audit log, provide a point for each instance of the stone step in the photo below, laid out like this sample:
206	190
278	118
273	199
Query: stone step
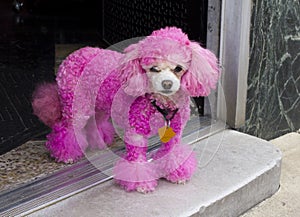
235	172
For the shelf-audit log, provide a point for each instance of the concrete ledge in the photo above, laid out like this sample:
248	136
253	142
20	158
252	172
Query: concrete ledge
235	172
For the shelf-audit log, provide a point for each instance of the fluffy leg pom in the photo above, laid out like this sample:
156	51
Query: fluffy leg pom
178	165
135	176
64	145
184	172
46	104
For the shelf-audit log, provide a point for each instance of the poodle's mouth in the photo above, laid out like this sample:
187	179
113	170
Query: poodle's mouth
167	92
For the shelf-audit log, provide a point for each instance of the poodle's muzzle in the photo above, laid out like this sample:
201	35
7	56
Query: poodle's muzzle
165	82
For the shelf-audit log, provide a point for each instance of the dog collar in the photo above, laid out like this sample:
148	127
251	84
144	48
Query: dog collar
168	114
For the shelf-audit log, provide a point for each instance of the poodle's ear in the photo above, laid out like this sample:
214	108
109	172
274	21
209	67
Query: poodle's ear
203	72
134	80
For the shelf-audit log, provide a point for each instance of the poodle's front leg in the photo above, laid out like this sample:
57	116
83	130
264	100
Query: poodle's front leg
133	171
174	161
180	164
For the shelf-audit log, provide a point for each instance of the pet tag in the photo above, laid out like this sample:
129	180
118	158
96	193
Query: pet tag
166	134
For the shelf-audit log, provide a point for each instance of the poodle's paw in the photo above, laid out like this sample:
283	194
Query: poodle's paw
64	145
69	161
142	187
144	190
184	172
181	182
66	158
176	178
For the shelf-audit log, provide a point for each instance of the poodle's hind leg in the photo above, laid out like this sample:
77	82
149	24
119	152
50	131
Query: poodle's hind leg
100	131
64	144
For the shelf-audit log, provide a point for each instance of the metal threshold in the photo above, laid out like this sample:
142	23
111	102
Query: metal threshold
85	174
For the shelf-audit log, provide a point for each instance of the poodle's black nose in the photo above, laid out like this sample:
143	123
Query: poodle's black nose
167	84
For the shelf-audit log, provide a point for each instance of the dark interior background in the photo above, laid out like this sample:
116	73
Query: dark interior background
30	29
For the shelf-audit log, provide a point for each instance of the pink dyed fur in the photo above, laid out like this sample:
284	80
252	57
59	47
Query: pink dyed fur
46	104
123	91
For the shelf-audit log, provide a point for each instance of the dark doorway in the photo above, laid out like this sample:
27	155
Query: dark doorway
133	18
29	33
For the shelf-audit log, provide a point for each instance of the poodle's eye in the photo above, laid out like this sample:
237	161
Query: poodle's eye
154	69
178	69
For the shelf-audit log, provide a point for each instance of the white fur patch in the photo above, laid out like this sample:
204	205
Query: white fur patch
157	82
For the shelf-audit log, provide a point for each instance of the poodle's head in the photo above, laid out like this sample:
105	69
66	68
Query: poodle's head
166	62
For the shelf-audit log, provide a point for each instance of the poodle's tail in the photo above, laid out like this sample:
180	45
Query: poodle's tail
46	103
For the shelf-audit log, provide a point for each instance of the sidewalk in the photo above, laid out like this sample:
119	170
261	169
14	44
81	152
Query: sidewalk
286	202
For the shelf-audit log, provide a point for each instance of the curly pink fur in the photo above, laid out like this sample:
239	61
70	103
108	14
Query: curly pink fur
46	104
120	80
